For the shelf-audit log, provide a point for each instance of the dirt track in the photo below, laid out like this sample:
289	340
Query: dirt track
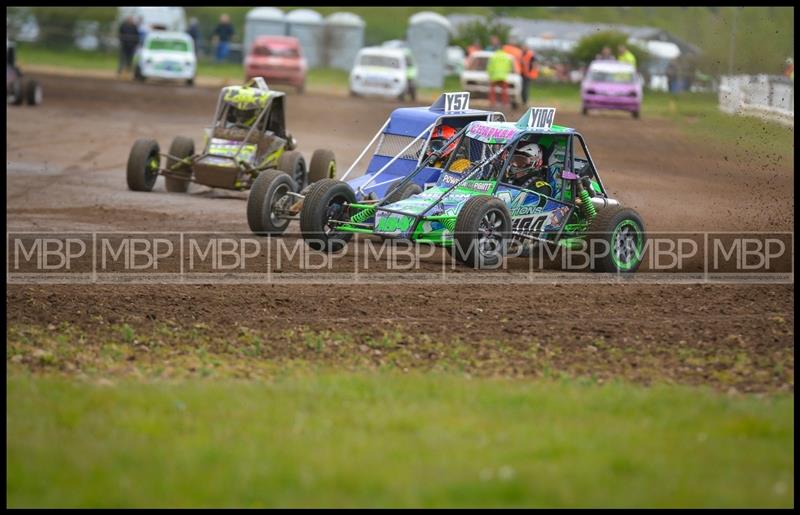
65	172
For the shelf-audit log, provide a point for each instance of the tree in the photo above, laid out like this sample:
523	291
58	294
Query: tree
482	31
589	46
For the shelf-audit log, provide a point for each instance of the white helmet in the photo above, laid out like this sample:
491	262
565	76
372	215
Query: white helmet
526	157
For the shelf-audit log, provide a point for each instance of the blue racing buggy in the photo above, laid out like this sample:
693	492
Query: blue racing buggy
405	140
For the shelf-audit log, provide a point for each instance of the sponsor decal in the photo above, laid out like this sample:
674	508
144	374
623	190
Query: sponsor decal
482	131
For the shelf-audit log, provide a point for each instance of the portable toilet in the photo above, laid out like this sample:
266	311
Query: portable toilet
428	36
262	21
344	37
306	26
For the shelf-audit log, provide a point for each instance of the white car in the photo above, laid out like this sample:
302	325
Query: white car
475	79
384	71
166	55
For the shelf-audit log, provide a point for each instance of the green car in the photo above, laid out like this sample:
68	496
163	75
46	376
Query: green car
247	144
478	206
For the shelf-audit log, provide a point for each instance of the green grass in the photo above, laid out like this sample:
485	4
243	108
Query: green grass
318	438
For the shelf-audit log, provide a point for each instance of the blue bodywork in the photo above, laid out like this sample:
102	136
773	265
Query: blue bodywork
410	122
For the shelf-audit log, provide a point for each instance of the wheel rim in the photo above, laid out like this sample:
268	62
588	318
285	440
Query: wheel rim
277	195
334	212
151	170
626	245
490	233
299	174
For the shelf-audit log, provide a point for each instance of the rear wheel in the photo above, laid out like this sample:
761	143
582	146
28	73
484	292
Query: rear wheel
181	148
323	165
635	114
269	190
325	202
143	164
293	163
585	111
33	92
190	82
616	240
137	73
482	231
17	95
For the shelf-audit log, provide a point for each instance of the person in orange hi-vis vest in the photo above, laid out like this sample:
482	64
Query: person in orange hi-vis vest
529	70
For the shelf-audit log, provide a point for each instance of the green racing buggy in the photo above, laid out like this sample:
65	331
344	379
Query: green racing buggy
247	137
476	209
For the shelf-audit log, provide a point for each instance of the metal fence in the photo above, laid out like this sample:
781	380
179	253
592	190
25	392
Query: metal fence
767	96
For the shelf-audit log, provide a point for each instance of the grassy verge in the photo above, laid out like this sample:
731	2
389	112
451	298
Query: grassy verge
342	439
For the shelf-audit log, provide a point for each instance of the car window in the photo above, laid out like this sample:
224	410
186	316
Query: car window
614	77
173	45
276	51
380	61
477	63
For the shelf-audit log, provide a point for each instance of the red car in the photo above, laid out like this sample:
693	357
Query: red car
279	59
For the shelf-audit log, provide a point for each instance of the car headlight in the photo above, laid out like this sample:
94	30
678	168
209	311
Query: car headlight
396	80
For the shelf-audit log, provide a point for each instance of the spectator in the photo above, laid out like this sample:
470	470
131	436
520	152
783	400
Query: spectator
605	55
222	35
141	29
128	41
474	47
626	56
529	70
194	32
500	65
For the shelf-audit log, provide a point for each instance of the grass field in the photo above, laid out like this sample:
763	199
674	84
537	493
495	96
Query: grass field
309	439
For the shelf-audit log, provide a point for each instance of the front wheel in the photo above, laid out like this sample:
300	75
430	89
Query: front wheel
17	95
635	114
269	191
325	203
616	240
482	231
144	162
181	148
323	165
33	93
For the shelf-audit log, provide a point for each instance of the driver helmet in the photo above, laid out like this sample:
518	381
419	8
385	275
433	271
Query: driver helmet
526	159
440	135
245	116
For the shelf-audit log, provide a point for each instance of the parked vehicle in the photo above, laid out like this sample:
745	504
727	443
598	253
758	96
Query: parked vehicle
475	79
156	18
491	193
18	88
612	85
384	71
246	141
166	55
454	63
279	60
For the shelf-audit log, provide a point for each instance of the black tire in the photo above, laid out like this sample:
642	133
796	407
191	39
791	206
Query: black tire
293	163
635	114
181	148
585	112
403	193
606	232
17	95
412	92
137	73
514	104
190	82
323	165
324	201
143	164
268	188
473	234
33	92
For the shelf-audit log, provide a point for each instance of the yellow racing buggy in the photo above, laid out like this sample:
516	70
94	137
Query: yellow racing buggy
247	138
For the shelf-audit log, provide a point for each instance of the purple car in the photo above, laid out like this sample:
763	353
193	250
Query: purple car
611	85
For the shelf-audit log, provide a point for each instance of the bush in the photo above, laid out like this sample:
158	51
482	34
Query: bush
589	46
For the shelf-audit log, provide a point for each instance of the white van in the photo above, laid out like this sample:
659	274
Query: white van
156	18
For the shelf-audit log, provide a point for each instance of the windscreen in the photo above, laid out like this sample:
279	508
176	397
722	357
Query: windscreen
380	61
172	45
470	152
477	63
613	77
